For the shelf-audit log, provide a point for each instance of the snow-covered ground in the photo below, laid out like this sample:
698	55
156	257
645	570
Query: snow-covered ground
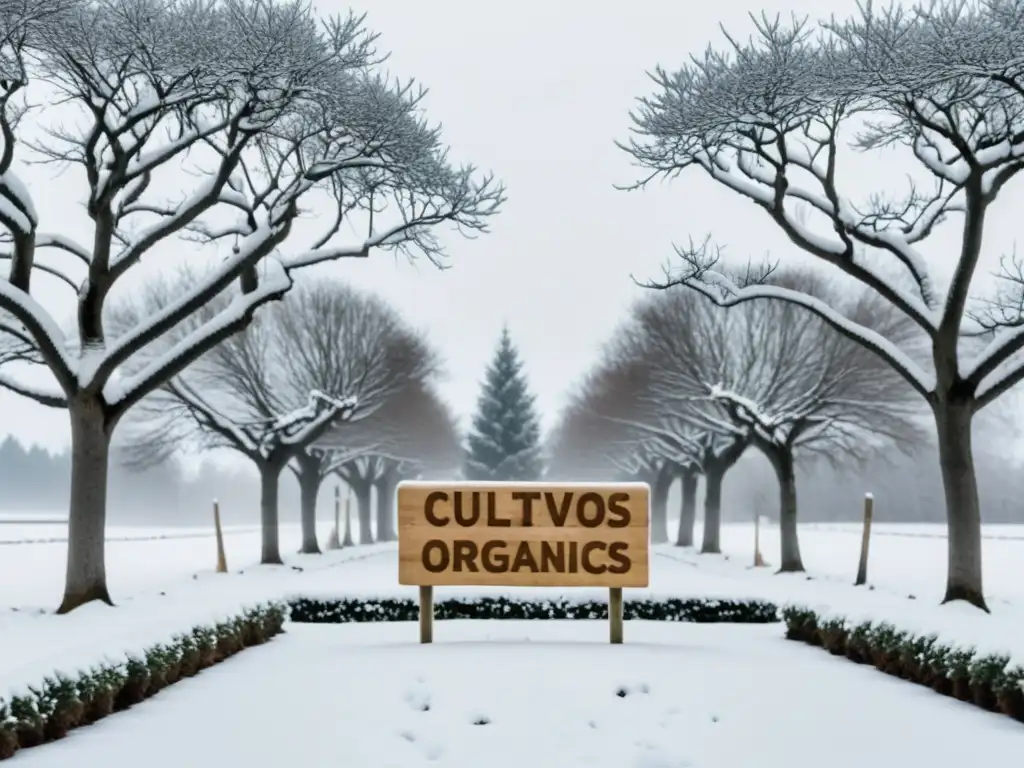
138	559
727	696
539	693
905	559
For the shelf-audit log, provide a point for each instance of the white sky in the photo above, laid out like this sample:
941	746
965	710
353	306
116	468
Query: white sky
538	91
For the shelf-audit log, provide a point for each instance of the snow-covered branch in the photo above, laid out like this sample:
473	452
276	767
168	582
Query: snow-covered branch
122	394
699	273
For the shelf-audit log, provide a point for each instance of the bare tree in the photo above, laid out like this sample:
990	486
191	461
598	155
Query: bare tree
360	474
764	118
615	421
690	343
418	438
781	379
276	108
412	434
817	395
329	339
690	385
581	445
689	476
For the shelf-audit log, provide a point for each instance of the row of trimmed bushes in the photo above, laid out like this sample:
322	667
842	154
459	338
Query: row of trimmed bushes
987	680
60	703
342	610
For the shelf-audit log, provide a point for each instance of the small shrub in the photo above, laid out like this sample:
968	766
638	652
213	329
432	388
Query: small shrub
858	645
8	732
28	722
138	679
885	644
833	634
187	651
157	663
172	663
58	699
98	689
985	681
912	651
61	703
229	639
252	633
699	610
801	624
982	673
206	642
958	670
1008	686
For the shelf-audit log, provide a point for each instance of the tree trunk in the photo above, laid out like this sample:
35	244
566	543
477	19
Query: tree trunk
309	489
270	475
963	509
785	471
364	509
688	510
659	505
86	575
386	507
712	543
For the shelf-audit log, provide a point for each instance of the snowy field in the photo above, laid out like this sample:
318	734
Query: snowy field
512	694
138	559
905	559
503	693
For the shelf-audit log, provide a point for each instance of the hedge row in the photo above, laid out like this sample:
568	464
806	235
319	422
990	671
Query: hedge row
61	703
987	680
701	610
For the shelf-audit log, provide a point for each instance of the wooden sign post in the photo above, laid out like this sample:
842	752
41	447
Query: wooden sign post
523	535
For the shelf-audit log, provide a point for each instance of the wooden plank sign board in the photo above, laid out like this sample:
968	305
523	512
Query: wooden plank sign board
523	534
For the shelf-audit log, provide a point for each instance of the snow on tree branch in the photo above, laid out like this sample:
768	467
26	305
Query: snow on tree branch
763	118
700	272
769	117
413	427
276	110
121	395
266	390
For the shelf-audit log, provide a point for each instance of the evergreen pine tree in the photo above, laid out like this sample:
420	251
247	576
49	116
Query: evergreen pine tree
504	443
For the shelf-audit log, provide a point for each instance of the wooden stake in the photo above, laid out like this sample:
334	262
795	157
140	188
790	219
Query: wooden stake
348	521
615	615
862	566
426	614
222	562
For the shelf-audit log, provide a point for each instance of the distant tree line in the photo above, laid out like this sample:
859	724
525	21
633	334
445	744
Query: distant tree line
37	482
907	489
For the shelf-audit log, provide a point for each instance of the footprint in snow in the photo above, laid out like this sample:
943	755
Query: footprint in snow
418	701
625	690
655	760
434	752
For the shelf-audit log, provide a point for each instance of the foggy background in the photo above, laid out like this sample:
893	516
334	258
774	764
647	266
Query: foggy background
906	488
537	92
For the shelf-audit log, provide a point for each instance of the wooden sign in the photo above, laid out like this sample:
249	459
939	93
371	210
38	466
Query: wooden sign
523	534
